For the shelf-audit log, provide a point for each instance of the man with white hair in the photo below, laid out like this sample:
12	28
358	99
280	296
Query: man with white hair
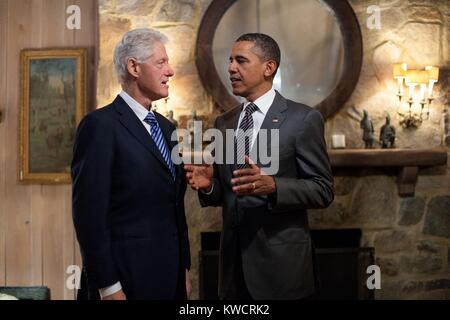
128	207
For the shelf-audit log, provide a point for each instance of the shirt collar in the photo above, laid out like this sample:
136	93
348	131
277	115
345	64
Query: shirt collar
263	102
140	111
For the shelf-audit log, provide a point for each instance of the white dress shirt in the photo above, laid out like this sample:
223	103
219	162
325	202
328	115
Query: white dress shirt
263	103
141	112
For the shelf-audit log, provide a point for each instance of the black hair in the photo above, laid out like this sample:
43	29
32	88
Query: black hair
268	46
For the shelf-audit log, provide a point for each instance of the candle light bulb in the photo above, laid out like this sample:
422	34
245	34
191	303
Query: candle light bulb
411	91
430	89
400	85
423	88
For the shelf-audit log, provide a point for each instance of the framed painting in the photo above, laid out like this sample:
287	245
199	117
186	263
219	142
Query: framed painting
53	101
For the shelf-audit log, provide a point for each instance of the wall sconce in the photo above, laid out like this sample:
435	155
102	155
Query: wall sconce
424	80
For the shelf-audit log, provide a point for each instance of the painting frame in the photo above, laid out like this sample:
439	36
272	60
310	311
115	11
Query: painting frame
42	90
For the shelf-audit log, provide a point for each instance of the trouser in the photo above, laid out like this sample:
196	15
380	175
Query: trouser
238	288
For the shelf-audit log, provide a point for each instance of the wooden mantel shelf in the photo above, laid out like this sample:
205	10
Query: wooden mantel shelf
407	161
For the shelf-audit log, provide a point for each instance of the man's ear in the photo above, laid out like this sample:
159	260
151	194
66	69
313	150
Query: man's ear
133	67
271	66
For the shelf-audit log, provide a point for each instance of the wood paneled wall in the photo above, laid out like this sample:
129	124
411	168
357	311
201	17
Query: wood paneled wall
37	240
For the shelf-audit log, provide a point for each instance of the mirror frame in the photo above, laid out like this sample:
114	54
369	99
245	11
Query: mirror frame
353	55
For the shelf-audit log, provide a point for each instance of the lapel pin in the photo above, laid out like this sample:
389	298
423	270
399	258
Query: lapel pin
275	120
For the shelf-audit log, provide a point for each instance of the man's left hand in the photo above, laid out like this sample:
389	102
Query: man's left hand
252	181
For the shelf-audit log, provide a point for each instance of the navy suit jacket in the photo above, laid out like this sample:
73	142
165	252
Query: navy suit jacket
128	211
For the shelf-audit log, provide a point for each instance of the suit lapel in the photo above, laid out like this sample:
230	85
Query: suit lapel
129	120
275	115
273	120
233	119
167	131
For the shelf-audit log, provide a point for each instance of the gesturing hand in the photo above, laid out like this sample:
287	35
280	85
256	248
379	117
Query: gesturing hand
199	176
252	181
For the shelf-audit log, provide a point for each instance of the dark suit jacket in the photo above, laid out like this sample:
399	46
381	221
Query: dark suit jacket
127	210
272	231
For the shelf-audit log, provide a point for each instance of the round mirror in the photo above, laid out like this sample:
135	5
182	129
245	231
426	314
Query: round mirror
320	43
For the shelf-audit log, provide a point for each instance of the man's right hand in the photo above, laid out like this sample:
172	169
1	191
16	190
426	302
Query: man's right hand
199	176
119	295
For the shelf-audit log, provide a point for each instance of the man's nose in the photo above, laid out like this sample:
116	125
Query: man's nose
170	71
232	68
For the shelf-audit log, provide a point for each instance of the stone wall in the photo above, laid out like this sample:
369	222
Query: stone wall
411	236
415	32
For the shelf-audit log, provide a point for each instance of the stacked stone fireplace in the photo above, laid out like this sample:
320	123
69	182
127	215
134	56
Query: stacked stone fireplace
410	235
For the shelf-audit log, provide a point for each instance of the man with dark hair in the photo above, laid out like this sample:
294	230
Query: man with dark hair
266	250
266	47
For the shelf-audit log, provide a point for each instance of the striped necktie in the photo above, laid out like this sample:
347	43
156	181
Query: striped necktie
244	136
158	138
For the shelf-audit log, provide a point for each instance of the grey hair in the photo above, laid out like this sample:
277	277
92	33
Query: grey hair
137	44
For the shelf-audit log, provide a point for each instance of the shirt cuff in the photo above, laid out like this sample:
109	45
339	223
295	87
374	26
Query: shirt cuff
209	192
107	291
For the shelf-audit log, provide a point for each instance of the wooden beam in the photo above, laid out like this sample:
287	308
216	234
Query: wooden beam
388	157
406	162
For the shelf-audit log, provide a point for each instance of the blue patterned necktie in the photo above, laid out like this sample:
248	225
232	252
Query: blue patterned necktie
243	142
158	138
